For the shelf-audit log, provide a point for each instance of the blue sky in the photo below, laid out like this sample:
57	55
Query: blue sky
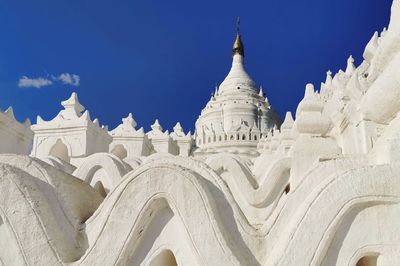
162	59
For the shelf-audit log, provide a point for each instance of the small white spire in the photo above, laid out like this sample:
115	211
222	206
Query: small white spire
96	122
216	91
309	92
156	126
288	122
39	120
73	104
10	113
178	128
371	47
85	116
129	121
350	66
261	93
328	80
383	32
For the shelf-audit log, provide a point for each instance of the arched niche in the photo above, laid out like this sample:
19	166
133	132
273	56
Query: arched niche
60	151
119	151
368	261
165	258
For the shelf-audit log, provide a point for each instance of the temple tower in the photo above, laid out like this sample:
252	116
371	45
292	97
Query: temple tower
237	115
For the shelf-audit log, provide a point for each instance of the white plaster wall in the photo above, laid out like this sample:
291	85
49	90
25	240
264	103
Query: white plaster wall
10	253
363	232
321	190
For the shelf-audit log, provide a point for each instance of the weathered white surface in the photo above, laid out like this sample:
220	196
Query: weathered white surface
14	136
43	210
102	169
321	189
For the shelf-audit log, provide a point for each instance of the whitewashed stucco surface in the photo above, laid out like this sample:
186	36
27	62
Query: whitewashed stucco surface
318	188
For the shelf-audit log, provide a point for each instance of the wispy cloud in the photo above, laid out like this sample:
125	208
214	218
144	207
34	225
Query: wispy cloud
25	82
70	79
64	78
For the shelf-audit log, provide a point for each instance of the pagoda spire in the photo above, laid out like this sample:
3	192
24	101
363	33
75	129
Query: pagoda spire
238	47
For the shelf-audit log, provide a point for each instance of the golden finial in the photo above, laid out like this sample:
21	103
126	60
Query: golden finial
238	47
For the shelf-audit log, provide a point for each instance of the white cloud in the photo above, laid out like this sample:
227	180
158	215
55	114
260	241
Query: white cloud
70	79
64	78
25	82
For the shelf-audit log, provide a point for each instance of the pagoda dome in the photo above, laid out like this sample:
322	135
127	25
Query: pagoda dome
237	79
236	105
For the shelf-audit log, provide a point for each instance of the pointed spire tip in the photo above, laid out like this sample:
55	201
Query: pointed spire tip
238	47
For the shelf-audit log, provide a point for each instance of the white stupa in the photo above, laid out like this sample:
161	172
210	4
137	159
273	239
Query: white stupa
237	115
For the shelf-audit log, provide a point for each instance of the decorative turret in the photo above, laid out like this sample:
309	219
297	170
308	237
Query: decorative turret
129	143
71	135
161	141
184	142
287	134
312	141
72	107
156	128
309	118
178	131
288	122
350	66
